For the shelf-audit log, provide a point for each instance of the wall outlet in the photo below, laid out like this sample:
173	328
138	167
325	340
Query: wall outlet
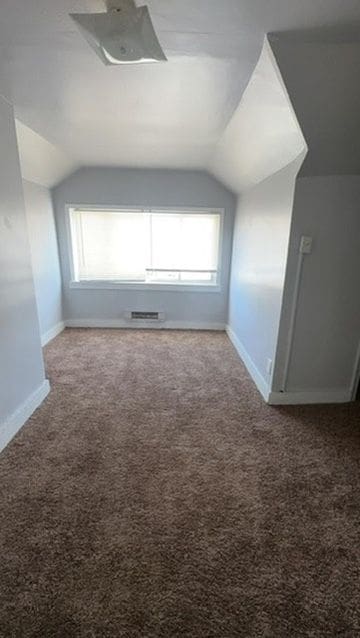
269	365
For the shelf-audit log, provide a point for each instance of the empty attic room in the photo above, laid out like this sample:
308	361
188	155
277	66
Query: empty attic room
179	319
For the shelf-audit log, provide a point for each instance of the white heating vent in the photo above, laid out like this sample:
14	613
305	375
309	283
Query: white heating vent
144	315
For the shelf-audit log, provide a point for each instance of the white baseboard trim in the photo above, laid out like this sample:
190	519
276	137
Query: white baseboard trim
286	398
14	423
309	397
255	374
162	325
52	333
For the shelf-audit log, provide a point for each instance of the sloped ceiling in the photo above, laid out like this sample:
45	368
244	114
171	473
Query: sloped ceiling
167	115
41	162
263	136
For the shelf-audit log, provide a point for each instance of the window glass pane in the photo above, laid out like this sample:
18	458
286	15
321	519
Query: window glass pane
163	247
199	237
201	277
171	277
184	241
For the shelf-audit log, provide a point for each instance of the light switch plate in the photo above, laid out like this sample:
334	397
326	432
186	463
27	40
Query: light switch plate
306	245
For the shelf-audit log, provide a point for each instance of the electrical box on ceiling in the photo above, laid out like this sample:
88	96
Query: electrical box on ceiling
123	35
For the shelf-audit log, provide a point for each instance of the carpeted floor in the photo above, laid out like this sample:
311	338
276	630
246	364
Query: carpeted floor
154	495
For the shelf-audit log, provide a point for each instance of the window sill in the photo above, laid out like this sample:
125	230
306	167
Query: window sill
111	285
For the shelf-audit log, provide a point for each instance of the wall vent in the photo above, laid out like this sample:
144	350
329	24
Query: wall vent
144	315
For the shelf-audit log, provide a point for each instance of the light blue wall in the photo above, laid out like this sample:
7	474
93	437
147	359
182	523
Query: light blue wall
327	327
44	255
108	186
21	363
260	247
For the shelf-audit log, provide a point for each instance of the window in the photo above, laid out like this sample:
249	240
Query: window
145	246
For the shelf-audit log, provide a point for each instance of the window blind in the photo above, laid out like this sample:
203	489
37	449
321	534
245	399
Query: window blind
164	246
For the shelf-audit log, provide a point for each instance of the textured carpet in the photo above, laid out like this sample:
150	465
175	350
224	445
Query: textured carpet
155	495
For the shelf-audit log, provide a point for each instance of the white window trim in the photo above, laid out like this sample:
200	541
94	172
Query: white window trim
122	285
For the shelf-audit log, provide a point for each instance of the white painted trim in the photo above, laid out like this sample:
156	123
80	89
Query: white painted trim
309	397
52	333
292	320
108	285
255	374
166	287
14	423
161	325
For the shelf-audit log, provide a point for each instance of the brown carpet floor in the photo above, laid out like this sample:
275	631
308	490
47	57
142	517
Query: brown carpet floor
154	495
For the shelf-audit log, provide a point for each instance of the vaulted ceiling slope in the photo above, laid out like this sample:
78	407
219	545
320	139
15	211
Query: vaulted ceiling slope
41	162
321	71
264	135
160	115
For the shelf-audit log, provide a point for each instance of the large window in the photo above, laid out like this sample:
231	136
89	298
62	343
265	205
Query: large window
145	246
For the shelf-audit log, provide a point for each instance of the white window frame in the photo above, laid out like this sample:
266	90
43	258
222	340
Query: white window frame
122	285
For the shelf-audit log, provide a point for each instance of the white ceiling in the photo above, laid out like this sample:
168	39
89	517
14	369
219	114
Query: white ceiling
243	159
161	115
41	162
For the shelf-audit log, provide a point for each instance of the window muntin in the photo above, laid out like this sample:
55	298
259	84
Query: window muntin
148	247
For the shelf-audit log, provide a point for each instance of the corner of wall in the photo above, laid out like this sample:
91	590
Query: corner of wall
11	426
261	384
